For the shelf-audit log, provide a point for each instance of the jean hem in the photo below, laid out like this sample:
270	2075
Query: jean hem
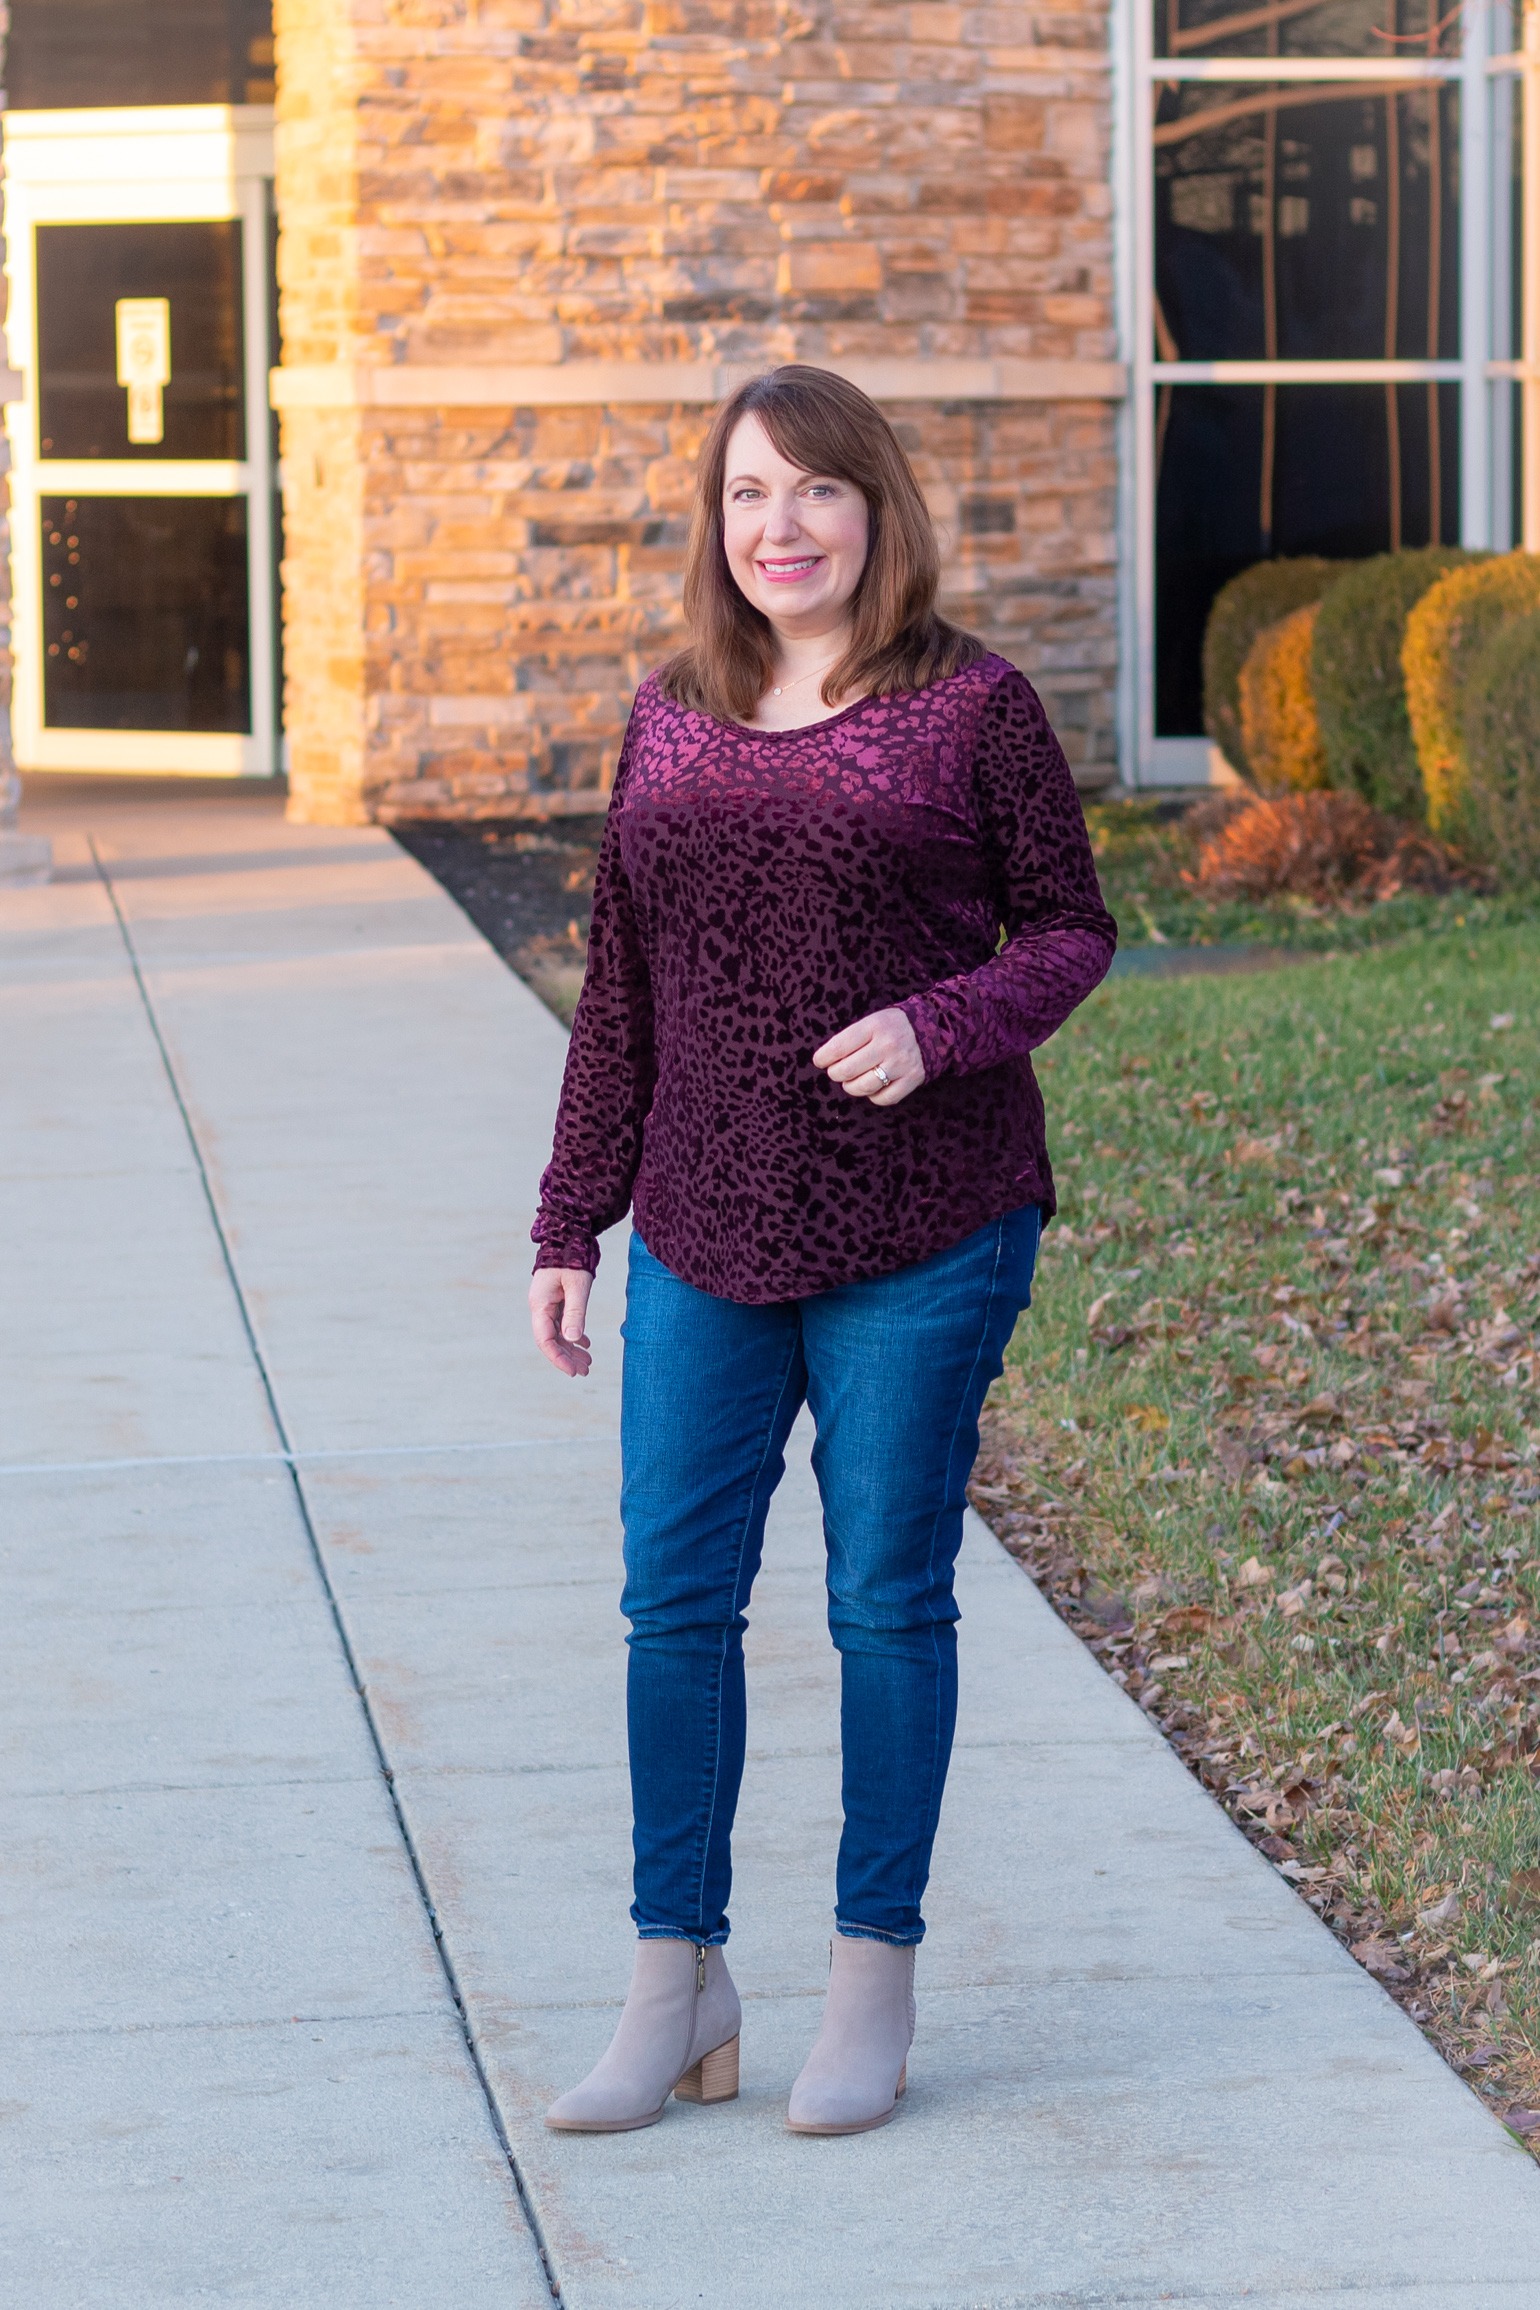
681	1933
875	1933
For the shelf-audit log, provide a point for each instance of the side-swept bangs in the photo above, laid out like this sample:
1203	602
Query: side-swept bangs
825	426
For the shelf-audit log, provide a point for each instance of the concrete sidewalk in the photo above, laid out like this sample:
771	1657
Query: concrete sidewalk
269	1431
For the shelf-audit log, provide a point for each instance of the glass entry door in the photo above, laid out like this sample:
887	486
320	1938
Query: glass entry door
143	512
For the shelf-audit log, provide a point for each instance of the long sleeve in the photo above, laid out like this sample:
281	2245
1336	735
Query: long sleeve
1059	937
608	1084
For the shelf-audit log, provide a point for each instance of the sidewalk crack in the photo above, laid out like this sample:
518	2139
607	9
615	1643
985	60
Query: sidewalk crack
291	1461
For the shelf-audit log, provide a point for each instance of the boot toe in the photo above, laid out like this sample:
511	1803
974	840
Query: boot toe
828	2107
585	2111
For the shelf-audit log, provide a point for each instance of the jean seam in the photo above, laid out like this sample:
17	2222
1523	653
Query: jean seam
715	1763
932	1804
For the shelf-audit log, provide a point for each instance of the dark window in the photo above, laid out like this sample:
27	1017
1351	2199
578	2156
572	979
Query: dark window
1306	224
145	614
82	272
67	53
1339	470
1298	221
1296	28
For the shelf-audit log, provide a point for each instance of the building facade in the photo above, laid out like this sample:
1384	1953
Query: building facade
362	348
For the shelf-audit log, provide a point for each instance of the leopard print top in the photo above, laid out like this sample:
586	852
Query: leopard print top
757	891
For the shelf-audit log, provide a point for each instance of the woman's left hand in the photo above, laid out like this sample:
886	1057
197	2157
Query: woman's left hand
877	1059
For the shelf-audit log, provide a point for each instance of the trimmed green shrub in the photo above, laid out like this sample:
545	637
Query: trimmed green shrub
1259	597
1278	717
1501	730
1355	666
1445	635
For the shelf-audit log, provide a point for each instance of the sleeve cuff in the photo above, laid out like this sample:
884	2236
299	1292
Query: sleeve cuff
935	1043
563	1243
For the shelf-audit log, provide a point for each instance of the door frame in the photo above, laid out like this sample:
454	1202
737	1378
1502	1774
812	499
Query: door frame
151	164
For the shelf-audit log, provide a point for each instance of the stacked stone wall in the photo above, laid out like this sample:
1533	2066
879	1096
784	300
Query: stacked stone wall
7	662
326	678
601	188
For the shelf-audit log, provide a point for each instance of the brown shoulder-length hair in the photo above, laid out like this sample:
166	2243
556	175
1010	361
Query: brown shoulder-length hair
818	422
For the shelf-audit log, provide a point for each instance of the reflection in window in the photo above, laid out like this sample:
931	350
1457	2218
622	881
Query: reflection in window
1343	470
66	53
82	272
1306	223
1306	28
145	613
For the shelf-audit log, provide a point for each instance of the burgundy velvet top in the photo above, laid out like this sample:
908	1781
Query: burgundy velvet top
757	890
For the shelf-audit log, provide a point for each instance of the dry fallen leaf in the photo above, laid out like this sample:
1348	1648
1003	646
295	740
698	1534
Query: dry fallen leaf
1442	1913
1522	2121
1381	1957
1234	1456
1149	1418
1188	1620
1254	1574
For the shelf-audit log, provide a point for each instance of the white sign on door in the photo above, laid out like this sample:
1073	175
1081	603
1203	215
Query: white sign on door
144	363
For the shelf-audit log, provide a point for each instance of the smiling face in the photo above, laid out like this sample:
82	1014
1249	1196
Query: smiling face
795	542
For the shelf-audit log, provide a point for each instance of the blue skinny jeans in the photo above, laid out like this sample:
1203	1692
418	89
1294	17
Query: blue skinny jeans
895	1371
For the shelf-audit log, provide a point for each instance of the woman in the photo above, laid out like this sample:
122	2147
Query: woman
800	1058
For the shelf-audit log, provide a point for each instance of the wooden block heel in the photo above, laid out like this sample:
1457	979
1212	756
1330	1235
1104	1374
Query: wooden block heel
903	2082
714	2077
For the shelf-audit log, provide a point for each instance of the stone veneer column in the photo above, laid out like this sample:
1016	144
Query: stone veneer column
326	687
523	243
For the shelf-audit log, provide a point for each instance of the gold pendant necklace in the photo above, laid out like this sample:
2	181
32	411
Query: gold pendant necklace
780	687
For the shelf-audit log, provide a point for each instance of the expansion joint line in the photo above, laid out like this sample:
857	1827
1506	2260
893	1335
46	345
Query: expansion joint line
333	1602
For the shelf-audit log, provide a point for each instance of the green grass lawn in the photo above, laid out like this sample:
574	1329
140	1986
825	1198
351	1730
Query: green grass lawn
1268	1438
1144	848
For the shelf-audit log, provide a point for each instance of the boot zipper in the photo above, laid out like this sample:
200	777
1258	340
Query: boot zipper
700	1968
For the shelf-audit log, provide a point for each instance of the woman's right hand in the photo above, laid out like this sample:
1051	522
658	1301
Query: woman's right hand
558	1311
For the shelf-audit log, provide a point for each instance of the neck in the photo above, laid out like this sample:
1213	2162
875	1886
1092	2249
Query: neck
798	654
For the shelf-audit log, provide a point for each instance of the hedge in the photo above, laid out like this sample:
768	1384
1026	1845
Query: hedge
1500	726
1445	635
1278	718
1355	666
1259	597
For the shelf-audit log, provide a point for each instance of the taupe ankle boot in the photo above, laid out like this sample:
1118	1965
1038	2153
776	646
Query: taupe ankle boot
678	2034
855	2074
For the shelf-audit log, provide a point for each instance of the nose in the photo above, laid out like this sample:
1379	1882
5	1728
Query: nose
781	524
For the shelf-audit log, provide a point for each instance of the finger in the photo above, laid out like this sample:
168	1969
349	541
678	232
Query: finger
568	1357
901	1081
872	1073
866	1061
556	1318
840	1046
574	1318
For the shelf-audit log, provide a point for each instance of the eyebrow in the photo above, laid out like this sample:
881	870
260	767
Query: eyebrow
806	474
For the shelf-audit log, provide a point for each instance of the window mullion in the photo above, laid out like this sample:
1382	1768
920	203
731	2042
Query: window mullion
1477	97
